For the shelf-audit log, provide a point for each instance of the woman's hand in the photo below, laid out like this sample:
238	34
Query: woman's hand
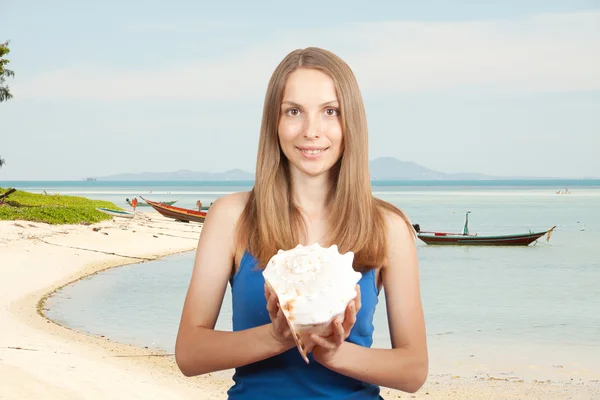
280	330
326	347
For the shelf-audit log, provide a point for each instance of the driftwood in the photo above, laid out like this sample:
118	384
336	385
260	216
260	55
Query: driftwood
5	195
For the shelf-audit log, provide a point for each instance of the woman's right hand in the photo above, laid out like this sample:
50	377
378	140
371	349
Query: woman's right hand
280	330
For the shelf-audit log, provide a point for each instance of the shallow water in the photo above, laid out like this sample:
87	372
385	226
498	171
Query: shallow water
520	310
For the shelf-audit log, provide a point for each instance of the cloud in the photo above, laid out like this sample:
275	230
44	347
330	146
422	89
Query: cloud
547	52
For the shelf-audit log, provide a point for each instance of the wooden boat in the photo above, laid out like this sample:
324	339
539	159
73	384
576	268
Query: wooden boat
169	203
116	213
466	238
202	208
177	213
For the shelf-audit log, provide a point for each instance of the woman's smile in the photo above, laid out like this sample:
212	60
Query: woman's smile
312	153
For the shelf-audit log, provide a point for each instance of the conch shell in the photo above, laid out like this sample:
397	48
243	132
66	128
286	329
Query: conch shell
313	285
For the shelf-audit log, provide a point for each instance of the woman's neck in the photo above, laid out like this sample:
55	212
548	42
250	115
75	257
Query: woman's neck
311	195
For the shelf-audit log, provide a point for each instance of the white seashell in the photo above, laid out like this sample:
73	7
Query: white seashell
313	285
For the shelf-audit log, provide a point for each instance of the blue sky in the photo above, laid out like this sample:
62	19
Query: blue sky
502	88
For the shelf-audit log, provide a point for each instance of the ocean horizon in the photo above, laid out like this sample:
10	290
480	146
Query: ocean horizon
533	182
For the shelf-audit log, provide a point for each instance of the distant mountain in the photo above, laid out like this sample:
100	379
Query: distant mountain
382	169
392	169
182	175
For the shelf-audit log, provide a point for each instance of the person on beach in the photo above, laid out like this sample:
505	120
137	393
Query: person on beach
134	203
312	185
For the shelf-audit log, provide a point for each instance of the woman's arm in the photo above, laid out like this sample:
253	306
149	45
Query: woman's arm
405	366
199	348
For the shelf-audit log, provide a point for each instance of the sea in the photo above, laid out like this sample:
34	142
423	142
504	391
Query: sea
509	312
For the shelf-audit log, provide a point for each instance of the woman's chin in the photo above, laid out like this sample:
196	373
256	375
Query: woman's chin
313	169
314	172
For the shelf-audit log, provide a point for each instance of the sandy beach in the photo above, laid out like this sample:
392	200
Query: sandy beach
40	359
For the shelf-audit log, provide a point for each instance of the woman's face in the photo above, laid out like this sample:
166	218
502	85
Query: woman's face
310	129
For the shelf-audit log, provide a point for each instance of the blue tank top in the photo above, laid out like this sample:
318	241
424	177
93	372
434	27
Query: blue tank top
287	376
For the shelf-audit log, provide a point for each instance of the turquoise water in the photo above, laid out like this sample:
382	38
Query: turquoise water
492	308
188	192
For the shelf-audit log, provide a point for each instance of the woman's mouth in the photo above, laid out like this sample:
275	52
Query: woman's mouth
312	152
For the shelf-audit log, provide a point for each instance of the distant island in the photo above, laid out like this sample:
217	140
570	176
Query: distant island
382	169
182	175
392	169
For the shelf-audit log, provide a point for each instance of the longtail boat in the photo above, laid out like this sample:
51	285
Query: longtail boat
116	213
177	213
169	203
201	207
466	238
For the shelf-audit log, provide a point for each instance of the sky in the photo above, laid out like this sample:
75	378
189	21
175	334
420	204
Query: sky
501	88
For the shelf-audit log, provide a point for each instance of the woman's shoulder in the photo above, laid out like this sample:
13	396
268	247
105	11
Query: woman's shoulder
397	223
229	206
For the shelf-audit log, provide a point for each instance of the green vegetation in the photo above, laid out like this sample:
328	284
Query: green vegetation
4	73
53	208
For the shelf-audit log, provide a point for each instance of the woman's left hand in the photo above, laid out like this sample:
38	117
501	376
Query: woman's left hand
326	347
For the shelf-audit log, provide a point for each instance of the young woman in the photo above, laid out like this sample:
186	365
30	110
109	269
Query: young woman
312	185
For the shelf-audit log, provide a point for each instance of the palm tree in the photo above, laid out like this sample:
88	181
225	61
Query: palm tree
2	162
4	73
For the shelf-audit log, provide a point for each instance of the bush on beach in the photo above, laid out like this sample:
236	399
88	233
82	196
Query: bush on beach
53	209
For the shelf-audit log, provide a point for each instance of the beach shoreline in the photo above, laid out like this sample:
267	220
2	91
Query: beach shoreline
42	359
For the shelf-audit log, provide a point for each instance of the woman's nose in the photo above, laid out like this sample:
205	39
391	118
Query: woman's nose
313	128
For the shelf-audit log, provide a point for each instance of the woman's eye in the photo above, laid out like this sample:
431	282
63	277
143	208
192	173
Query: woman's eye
332	112
293	112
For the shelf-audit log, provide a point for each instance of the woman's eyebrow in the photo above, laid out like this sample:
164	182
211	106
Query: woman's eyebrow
294	104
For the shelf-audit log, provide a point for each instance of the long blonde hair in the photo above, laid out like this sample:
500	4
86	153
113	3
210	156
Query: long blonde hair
271	221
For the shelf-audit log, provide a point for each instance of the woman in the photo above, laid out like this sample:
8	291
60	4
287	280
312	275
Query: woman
312	185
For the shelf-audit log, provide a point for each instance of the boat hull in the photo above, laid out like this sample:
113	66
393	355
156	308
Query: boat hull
177	213
169	203
441	238
116	213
